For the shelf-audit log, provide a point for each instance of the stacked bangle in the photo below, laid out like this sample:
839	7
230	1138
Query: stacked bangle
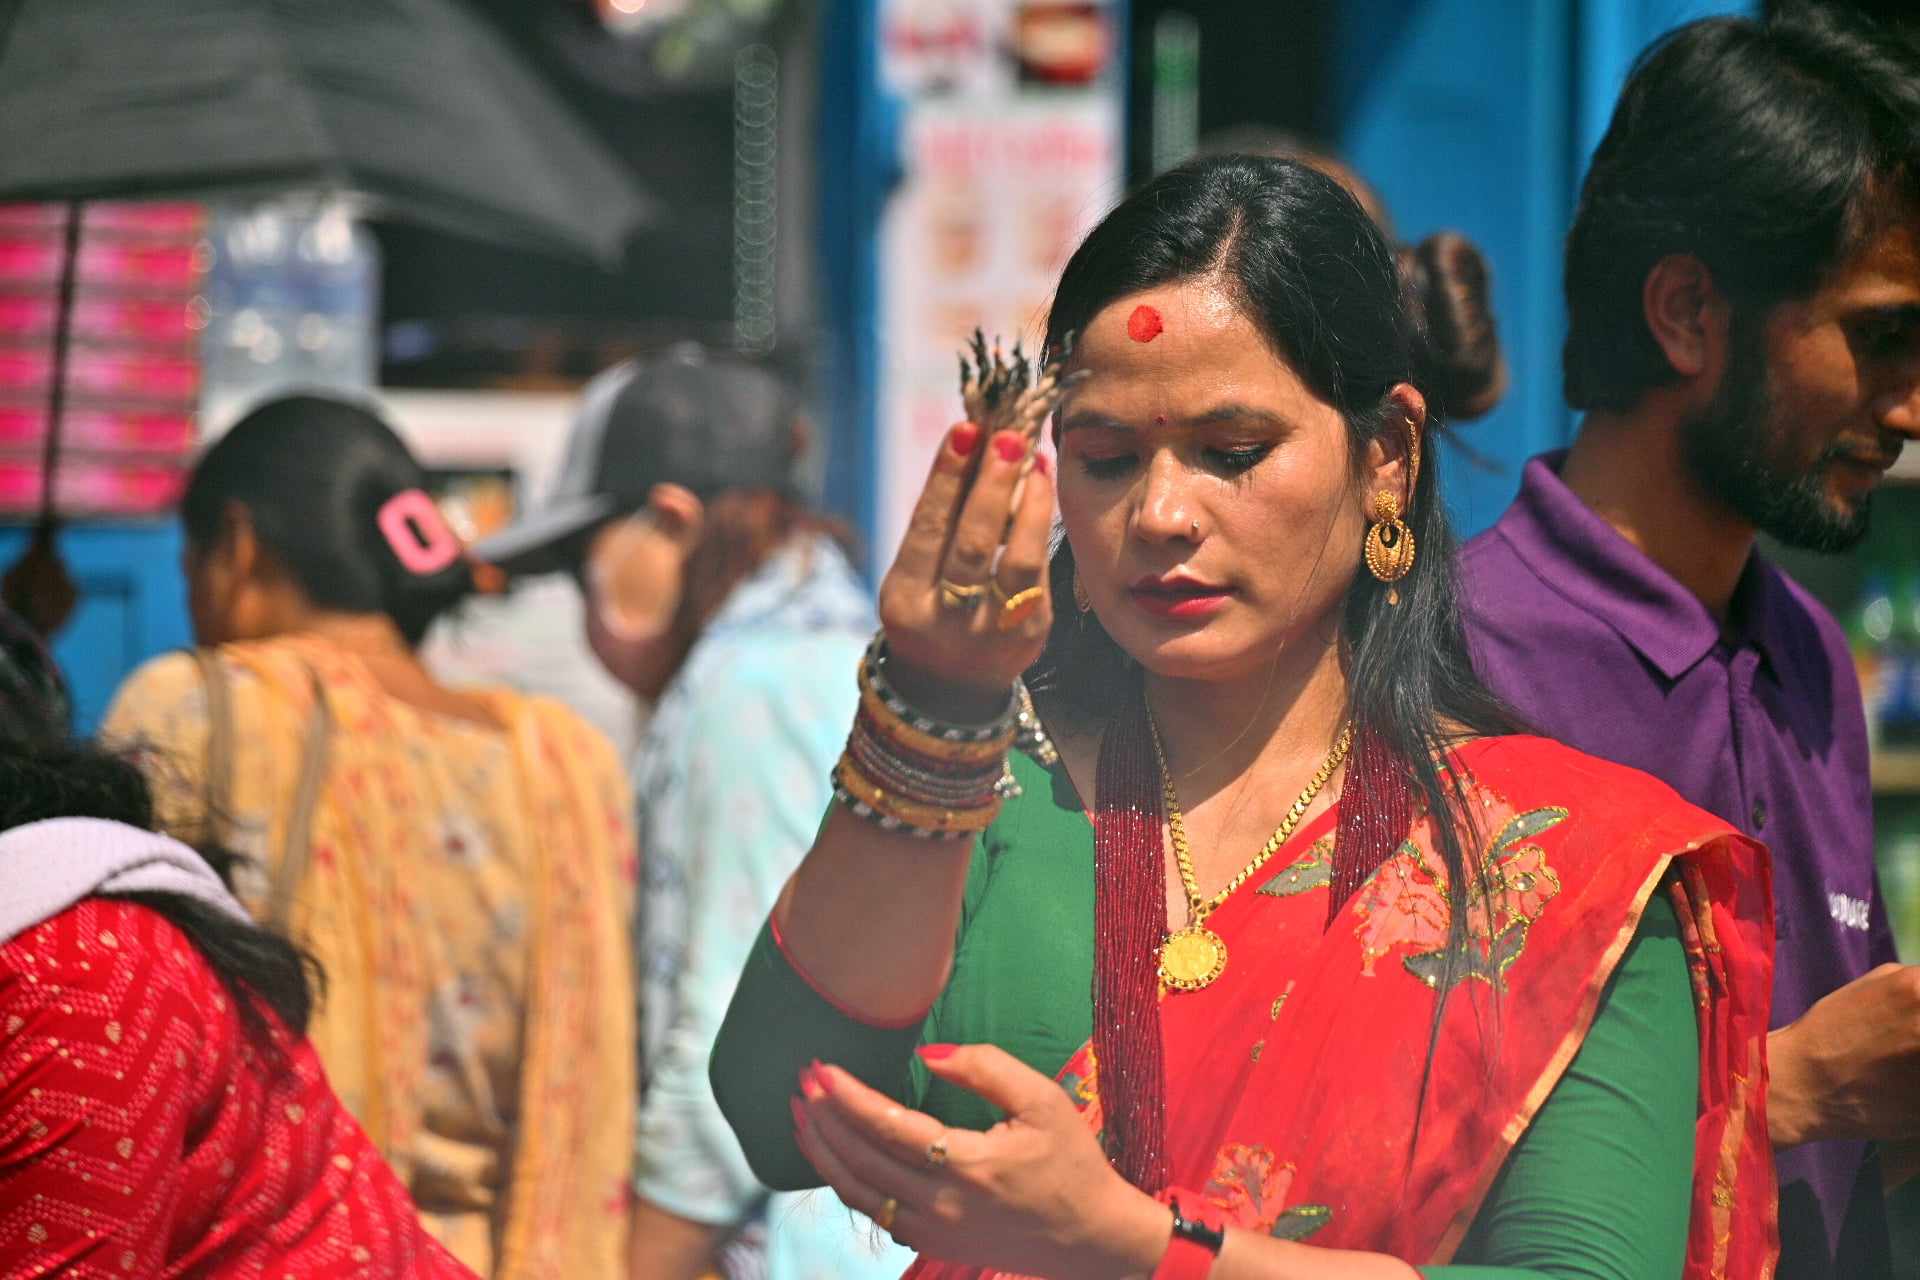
873	678
909	772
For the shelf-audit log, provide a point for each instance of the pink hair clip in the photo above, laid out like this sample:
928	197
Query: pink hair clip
418	533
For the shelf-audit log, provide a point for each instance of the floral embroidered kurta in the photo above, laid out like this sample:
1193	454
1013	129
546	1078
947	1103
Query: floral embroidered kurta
467	894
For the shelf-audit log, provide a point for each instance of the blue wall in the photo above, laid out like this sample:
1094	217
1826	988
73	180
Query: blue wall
1478	116
132	604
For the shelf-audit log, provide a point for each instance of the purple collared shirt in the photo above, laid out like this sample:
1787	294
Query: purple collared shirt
1759	722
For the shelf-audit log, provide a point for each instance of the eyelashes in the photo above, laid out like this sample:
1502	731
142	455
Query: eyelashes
1237	461
1111	468
1230	462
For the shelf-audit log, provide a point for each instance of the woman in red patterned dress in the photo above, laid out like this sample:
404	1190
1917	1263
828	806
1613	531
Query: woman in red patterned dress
161	1111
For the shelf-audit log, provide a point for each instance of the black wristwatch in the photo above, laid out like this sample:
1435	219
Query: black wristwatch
1208	1238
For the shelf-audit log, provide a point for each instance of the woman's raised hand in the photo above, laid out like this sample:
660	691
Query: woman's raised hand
965	604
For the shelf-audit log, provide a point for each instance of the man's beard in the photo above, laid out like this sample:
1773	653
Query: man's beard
1732	452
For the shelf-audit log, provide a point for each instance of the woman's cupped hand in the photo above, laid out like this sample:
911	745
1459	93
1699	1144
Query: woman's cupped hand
1034	1195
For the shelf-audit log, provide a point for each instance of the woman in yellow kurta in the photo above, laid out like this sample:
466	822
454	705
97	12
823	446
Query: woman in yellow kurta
459	863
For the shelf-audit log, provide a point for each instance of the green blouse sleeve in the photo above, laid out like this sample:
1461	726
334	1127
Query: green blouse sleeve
1598	1188
775	1026
777	1022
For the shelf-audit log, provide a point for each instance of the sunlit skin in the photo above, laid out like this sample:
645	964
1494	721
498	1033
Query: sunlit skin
1843	390
1843	369
1216	520
632	578
1204	425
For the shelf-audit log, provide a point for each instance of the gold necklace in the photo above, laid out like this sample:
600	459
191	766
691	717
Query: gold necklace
1193	957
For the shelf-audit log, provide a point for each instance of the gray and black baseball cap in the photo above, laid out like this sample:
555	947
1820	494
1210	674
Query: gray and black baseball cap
689	416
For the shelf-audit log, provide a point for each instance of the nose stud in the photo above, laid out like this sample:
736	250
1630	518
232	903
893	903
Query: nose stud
1194	528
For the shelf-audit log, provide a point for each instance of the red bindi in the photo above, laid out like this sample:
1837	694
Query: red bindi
1144	324
1159	419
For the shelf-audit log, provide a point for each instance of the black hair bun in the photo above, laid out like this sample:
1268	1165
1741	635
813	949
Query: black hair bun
314	472
1450	294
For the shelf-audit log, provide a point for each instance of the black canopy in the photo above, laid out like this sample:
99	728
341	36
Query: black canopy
416	105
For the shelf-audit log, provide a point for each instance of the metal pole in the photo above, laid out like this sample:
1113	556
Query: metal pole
62	341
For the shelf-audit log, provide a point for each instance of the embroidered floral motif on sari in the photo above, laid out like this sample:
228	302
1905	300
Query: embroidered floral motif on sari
1406	903
1081	1079
1314	871
1249	1189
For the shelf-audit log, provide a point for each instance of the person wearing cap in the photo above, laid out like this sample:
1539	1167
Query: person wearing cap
459	862
717	594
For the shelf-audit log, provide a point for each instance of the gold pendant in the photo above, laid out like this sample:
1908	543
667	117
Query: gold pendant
1192	958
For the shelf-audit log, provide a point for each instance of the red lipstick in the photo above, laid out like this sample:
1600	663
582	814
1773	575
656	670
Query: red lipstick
1176	595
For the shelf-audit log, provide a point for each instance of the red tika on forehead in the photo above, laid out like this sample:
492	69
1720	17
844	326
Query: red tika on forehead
1144	325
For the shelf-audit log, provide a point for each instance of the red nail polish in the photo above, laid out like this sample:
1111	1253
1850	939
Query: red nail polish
964	439
936	1052
810	1085
822	1079
1010	445
799	1116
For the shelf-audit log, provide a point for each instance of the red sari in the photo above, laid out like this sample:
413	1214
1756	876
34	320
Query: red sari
1312	1026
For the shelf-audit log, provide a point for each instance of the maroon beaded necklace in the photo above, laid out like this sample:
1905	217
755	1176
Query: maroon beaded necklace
1130	918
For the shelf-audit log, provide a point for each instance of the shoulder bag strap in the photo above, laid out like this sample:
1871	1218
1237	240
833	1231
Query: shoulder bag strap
219	779
306	797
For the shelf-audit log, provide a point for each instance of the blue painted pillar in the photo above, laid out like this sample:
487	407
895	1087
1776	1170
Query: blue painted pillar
1478	116
858	161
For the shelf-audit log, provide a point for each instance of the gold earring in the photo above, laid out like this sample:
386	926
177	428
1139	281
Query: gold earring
1081	600
1390	548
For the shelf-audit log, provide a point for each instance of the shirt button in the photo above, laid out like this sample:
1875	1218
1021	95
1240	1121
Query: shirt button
1759	815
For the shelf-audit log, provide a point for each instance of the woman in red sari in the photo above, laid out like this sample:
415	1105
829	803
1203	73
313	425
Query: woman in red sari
1294	959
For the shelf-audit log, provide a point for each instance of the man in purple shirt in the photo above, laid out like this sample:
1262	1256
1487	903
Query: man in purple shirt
1743	287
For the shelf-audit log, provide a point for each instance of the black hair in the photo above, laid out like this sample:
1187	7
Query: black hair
313	473
1315	276
1767	149
1449	293
34	702
1448	284
41	781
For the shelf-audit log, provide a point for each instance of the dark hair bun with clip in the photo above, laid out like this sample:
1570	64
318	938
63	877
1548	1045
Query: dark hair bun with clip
314	473
1450	294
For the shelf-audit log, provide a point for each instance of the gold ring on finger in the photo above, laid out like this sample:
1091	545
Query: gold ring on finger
1018	607
955	595
937	1151
889	1208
